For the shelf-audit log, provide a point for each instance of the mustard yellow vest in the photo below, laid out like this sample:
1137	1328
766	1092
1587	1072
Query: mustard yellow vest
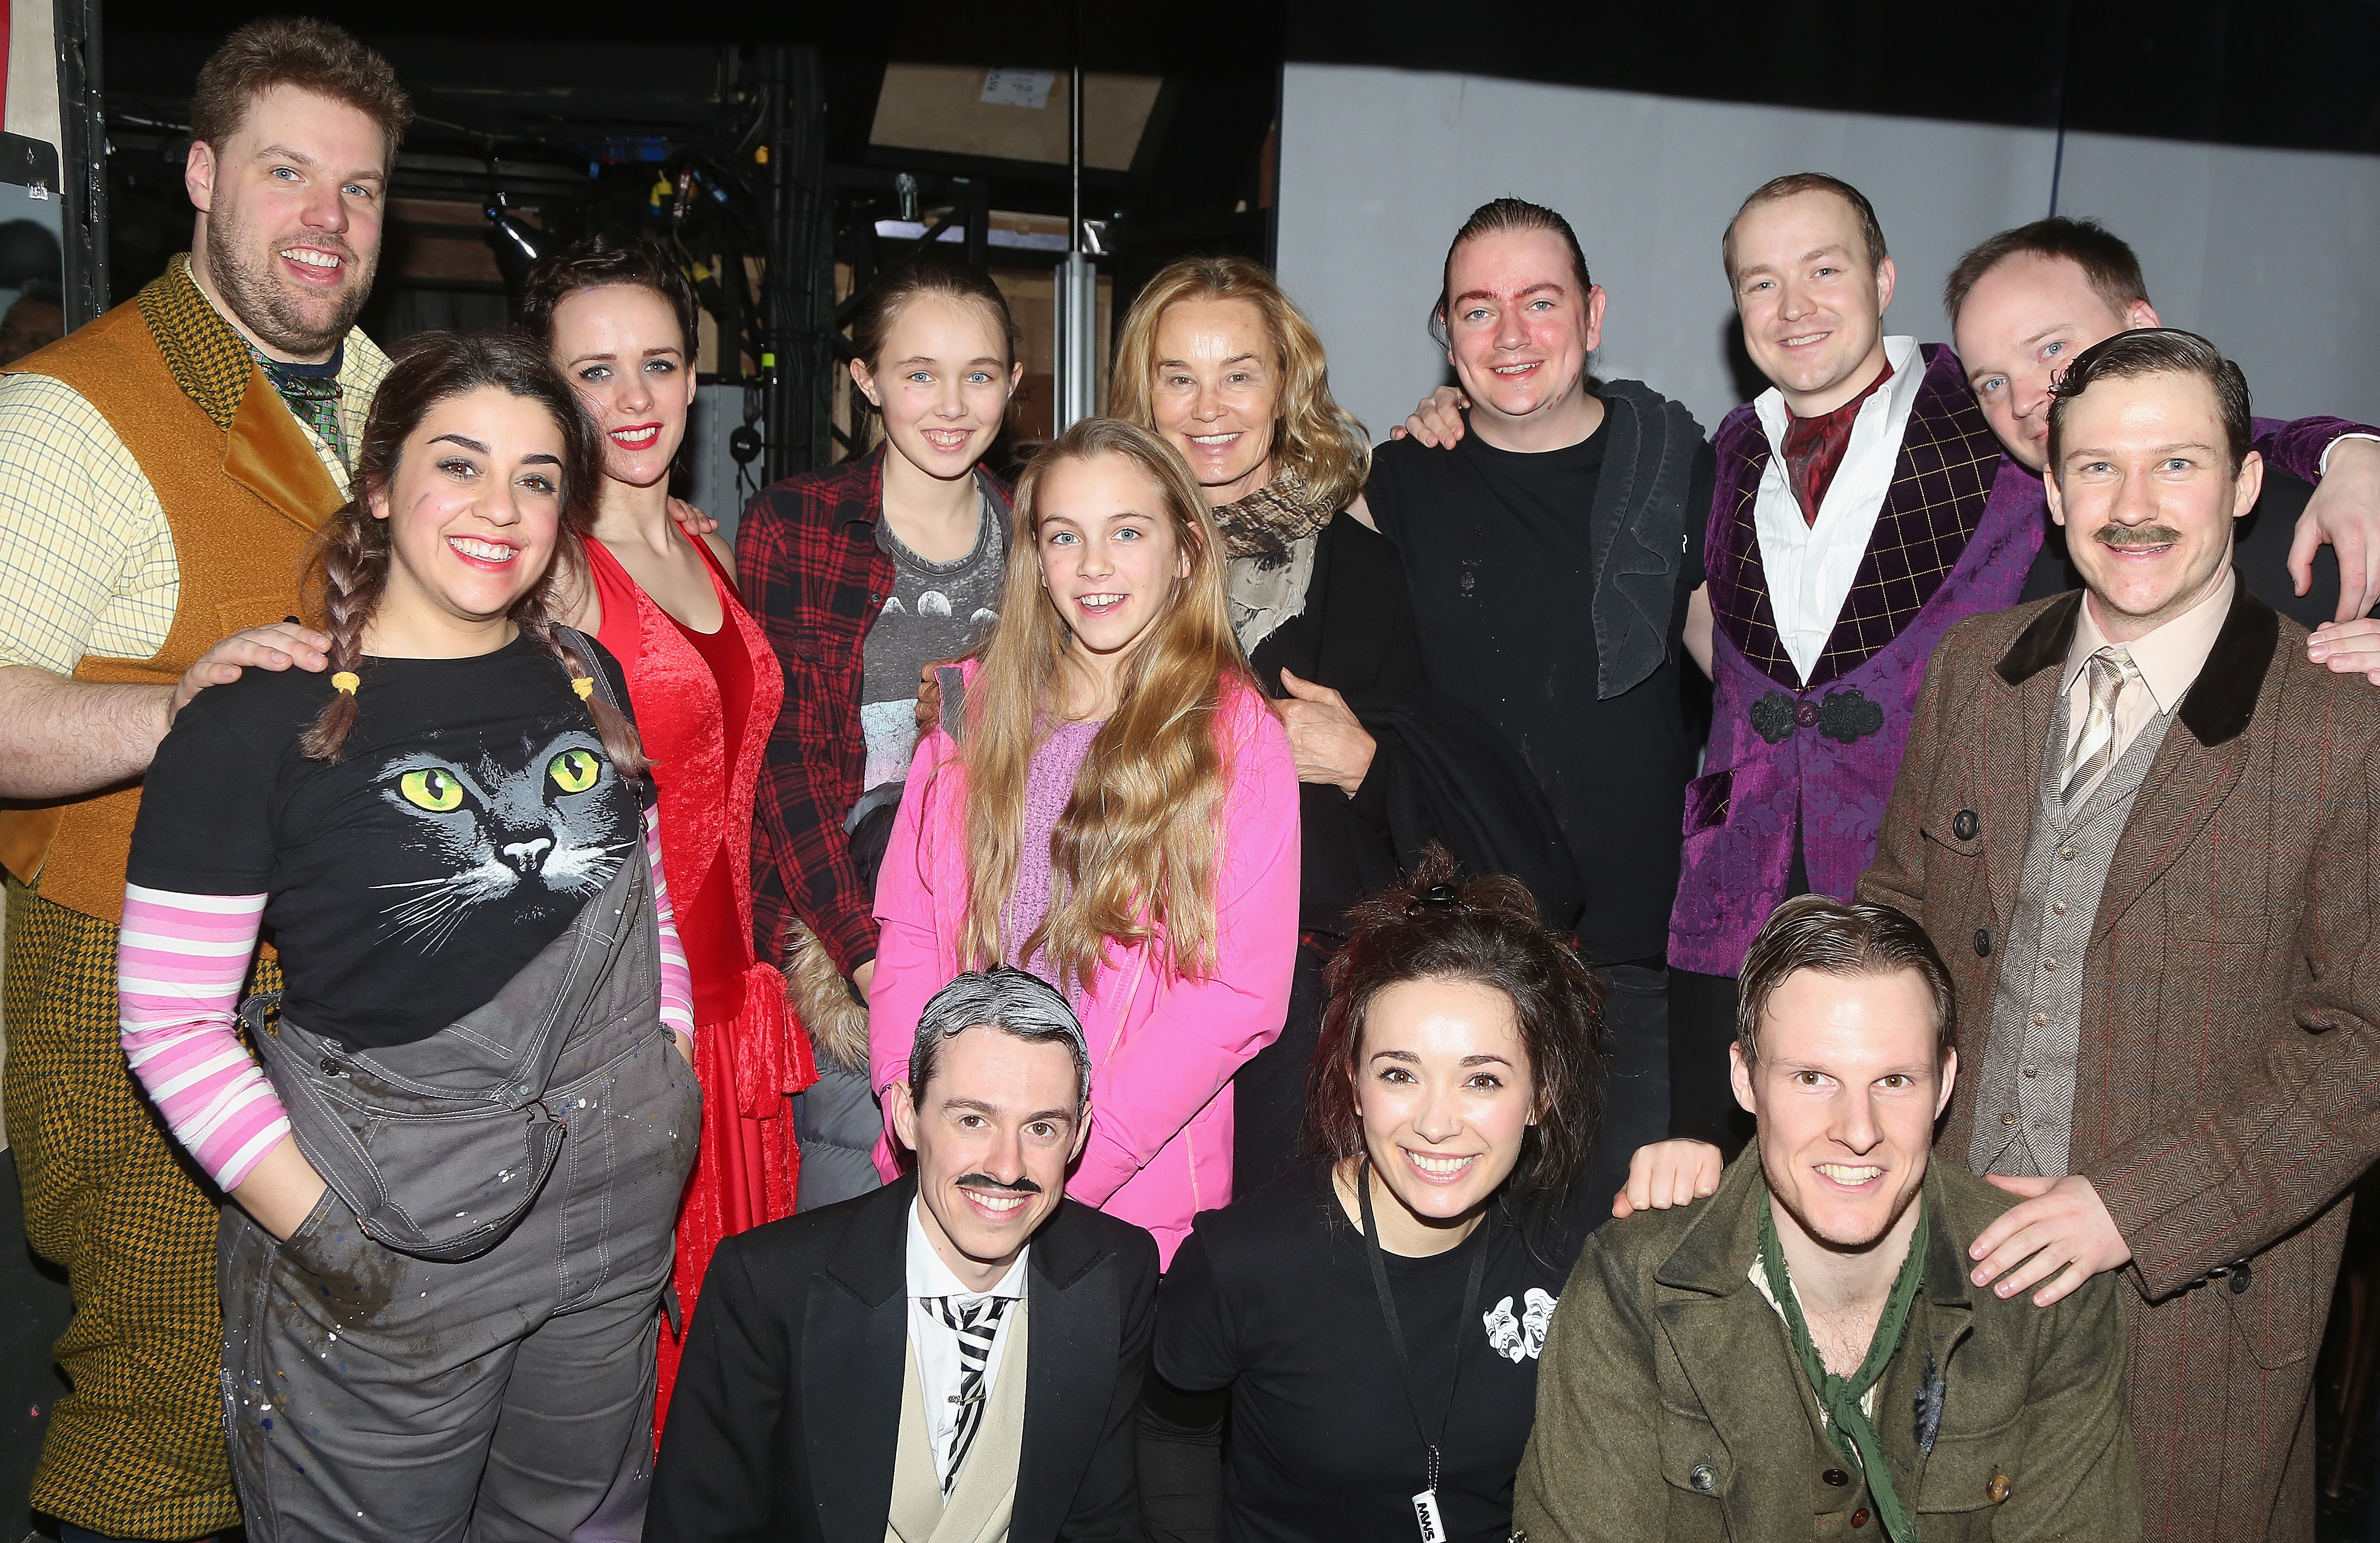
243	505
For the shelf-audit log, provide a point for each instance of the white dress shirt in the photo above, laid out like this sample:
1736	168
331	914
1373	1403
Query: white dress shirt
1811	566
937	1344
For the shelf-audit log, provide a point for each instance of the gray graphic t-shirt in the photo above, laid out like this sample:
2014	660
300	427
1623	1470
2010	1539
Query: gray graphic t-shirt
937	611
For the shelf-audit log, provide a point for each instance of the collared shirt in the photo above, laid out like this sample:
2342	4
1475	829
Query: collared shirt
86	563
2170	659
1811	564
937	1344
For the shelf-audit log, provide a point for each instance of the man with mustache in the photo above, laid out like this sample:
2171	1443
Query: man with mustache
1864	505
2024	303
1803	1355
956	1355
2139	821
161	472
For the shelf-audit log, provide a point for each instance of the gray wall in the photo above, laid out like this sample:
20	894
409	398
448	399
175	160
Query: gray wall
2274	254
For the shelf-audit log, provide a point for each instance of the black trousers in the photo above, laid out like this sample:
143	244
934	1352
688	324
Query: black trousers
1702	1025
1637	1082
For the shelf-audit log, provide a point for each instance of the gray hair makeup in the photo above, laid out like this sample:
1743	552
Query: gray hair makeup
1008	1000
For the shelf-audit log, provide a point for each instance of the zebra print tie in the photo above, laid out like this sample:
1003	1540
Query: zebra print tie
977	1323
2094	749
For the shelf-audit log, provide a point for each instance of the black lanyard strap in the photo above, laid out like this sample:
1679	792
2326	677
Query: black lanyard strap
1396	1330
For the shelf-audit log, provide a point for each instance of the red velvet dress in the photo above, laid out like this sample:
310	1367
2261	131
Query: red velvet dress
705	705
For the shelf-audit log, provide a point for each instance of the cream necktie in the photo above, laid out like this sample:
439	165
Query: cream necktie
2094	749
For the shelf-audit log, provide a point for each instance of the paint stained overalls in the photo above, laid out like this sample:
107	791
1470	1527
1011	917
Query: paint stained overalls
459	1340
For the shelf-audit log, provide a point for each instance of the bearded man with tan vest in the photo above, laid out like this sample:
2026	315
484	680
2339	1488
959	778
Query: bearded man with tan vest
161	470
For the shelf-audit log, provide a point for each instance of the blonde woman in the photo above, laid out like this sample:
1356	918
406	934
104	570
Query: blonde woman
1218	360
1118	814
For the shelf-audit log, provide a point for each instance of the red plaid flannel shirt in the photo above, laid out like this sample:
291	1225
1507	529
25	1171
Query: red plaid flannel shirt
814	577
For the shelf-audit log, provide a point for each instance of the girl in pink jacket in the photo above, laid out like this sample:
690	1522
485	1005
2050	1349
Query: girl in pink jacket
1118	814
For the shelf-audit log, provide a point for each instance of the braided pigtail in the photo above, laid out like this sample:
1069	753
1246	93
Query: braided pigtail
347	572
619	735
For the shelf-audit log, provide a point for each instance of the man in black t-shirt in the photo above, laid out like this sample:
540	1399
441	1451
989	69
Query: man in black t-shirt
1554	570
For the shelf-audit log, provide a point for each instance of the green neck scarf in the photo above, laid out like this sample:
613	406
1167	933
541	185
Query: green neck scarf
1854	1434
214	364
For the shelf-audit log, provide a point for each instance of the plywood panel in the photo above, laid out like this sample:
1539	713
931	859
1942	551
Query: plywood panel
942	107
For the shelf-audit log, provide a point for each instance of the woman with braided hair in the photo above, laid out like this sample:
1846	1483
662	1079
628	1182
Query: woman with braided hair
458	1168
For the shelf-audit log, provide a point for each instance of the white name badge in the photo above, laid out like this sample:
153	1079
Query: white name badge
1426	1511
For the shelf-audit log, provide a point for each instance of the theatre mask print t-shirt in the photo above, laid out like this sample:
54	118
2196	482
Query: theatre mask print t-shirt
471	815
1273	1297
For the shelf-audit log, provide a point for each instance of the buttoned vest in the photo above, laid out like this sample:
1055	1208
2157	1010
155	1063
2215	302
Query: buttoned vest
1813	760
242	506
982	1500
2025	1087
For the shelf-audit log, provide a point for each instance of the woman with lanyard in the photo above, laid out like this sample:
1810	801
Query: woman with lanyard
457	1171
618	319
1217	359
862	575
1378	1319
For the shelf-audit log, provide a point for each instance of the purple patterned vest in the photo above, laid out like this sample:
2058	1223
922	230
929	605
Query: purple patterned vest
1958	532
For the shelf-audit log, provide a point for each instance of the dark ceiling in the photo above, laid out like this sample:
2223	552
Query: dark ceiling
2299	74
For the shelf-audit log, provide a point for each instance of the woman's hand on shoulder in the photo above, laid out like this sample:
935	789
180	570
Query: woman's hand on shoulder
694	520
1436	419
1670	1173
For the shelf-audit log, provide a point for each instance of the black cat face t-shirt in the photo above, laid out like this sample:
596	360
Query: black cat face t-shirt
471	815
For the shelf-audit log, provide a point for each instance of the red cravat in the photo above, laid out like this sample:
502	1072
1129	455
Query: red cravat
1815	446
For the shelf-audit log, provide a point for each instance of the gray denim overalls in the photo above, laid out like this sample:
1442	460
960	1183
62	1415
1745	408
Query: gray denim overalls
459	1340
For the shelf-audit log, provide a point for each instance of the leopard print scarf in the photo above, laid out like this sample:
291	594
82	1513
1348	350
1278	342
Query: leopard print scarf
1266	521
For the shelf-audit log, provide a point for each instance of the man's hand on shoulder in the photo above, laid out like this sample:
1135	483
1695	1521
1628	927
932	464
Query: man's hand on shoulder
274	646
1436	421
2344	512
2059	1232
1670	1173
2347	648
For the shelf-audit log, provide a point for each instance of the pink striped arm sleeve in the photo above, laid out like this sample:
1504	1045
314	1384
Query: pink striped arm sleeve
677	981
178	968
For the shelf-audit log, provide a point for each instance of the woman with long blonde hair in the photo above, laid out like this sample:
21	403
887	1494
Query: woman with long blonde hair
1109	804
1218	360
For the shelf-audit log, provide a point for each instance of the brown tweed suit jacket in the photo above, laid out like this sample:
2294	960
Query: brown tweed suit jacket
2228	1086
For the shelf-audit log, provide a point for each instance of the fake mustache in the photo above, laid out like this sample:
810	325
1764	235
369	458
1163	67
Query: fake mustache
2137	535
1009	1186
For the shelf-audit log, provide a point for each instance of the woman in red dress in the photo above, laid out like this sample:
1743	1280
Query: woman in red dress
619	320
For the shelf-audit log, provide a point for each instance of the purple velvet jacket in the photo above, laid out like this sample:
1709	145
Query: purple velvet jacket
1957	535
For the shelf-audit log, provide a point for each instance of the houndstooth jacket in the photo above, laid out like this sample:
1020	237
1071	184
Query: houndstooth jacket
2228	1089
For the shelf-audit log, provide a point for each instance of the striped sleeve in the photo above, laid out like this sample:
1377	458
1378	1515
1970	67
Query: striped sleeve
179	968
677	981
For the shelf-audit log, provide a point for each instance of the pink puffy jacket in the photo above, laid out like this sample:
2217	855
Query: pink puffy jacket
1164	1048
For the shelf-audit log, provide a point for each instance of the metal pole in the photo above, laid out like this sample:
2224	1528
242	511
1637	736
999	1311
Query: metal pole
1074	153
1075	293
82	155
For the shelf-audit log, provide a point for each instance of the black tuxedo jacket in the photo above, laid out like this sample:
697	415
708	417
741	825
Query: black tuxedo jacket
787	1413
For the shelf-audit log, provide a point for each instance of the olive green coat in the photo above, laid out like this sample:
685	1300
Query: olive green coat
1669	1404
